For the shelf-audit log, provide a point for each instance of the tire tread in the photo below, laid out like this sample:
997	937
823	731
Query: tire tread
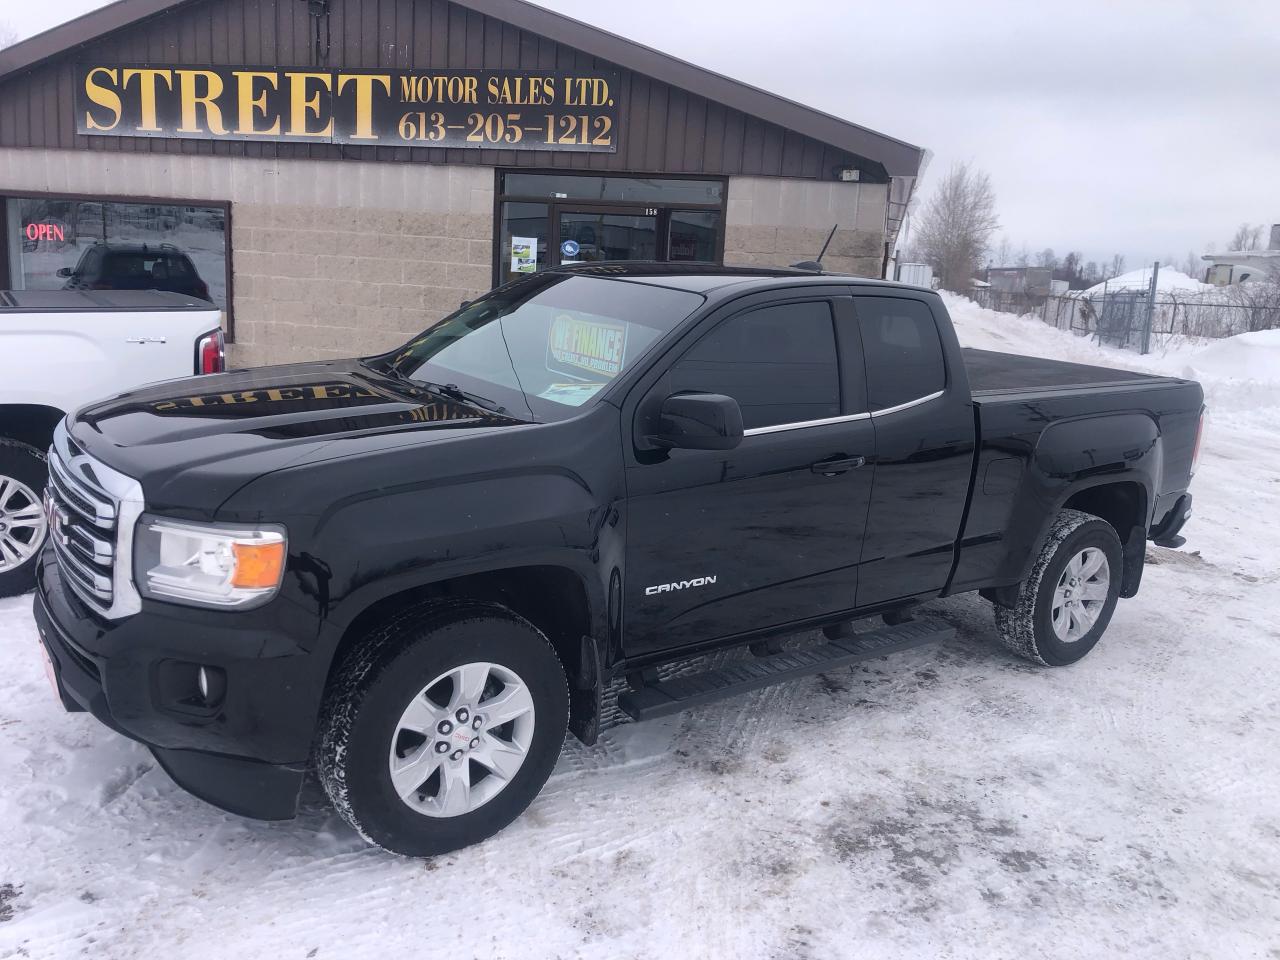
359	672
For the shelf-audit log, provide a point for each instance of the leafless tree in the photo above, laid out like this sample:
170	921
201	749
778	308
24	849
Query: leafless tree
1246	237
1261	297
1193	266
1047	258
1023	258
1116	267
1004	252
8	35
955	229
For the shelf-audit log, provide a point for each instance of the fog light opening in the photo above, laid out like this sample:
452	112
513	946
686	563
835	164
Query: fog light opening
211	682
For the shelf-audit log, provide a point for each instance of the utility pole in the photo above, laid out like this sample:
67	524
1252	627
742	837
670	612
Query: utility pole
1151	308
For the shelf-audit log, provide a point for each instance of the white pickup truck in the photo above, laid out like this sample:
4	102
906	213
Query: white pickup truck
60	349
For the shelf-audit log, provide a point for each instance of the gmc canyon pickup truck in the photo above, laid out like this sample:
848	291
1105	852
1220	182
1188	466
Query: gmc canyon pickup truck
416	571
60	349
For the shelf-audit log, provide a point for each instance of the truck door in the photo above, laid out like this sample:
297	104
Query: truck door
721	543
924	430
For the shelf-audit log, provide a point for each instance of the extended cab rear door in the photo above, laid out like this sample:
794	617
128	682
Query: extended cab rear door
722	543
922	415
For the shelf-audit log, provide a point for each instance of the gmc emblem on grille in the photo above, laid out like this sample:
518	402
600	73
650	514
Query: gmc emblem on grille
58	520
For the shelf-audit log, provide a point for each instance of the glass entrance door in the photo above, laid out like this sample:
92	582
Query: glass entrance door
588	236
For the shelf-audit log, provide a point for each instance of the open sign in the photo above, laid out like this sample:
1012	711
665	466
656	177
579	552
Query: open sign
46	231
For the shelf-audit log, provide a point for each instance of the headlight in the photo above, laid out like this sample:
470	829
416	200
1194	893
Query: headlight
208	565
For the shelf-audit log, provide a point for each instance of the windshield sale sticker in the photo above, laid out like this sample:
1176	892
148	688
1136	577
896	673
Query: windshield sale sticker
571	394
576	346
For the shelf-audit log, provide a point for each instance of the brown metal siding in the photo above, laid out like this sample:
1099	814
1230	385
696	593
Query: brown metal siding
662	129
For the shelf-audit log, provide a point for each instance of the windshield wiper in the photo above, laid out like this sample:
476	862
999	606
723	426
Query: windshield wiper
455	392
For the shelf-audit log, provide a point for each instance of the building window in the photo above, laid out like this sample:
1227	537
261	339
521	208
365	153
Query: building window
549	219
88	244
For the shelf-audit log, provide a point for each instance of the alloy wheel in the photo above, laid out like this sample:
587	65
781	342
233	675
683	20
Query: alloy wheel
1081	594
22	523
461	739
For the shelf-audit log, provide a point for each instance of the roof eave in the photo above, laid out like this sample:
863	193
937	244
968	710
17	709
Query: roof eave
899	159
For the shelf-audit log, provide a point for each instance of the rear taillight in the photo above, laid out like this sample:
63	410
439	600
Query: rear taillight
211	353
1195	452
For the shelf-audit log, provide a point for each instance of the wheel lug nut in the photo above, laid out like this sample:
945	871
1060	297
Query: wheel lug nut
445	727
462	715
477	723
475	742
442	747
456	755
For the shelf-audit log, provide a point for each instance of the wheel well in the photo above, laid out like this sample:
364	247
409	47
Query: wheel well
30	423
553	599
1123	505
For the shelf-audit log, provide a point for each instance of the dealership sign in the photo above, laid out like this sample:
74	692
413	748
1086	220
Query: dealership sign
497	109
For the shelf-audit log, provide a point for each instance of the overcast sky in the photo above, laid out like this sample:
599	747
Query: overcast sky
1144	127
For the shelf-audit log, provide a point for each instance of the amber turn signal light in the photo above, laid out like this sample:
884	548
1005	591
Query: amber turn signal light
259	566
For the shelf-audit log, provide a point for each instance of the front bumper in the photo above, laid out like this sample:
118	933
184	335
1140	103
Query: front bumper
248	755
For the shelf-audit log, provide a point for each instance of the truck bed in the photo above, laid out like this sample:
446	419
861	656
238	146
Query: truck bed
89	301
993	373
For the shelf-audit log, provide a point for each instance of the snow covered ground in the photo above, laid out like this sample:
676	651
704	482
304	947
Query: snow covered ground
949	802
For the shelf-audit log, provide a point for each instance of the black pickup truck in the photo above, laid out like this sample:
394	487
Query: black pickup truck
415	571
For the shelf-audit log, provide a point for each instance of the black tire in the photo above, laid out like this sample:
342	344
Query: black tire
371	690
1026	628
27	465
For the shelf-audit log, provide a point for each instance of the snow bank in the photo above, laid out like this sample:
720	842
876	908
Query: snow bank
1249	356
1240	374
1169	281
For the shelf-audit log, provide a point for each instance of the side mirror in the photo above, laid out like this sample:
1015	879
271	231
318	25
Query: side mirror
699	421
66	272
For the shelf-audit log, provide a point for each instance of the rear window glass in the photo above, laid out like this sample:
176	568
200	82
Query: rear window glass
165	266
902	349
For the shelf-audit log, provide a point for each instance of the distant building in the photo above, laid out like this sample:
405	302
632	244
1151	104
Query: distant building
1029	281
919	274
1237	266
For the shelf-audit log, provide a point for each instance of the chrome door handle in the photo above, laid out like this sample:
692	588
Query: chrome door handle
833	468
145	340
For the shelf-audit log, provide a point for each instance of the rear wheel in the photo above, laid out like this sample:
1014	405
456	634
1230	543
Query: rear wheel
442	728
23	473
1064	607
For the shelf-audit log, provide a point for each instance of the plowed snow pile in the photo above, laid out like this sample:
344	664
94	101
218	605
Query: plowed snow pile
945	802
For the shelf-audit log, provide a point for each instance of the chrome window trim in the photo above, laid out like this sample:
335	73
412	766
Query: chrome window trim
849	418
908	405
802	424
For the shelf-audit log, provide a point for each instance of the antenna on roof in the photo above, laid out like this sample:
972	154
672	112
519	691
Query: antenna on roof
815	266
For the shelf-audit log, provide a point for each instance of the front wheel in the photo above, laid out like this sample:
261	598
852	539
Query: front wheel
1064	607
23	473
442	727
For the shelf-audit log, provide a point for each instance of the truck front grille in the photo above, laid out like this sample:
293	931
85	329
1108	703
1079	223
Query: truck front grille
93	510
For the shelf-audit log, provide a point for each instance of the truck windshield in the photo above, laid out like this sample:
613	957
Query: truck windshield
544	345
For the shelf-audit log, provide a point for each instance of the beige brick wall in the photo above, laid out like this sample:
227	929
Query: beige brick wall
774	222
320	282
328	259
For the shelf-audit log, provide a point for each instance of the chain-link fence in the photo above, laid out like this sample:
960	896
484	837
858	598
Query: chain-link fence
1129	318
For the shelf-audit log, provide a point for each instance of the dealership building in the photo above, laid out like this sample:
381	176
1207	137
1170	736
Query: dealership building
337	174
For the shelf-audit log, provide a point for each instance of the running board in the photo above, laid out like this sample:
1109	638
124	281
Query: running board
680	693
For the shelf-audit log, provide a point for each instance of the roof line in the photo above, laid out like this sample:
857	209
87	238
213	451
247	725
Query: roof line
899	158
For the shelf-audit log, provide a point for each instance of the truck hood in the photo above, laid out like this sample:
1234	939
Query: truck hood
193	442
